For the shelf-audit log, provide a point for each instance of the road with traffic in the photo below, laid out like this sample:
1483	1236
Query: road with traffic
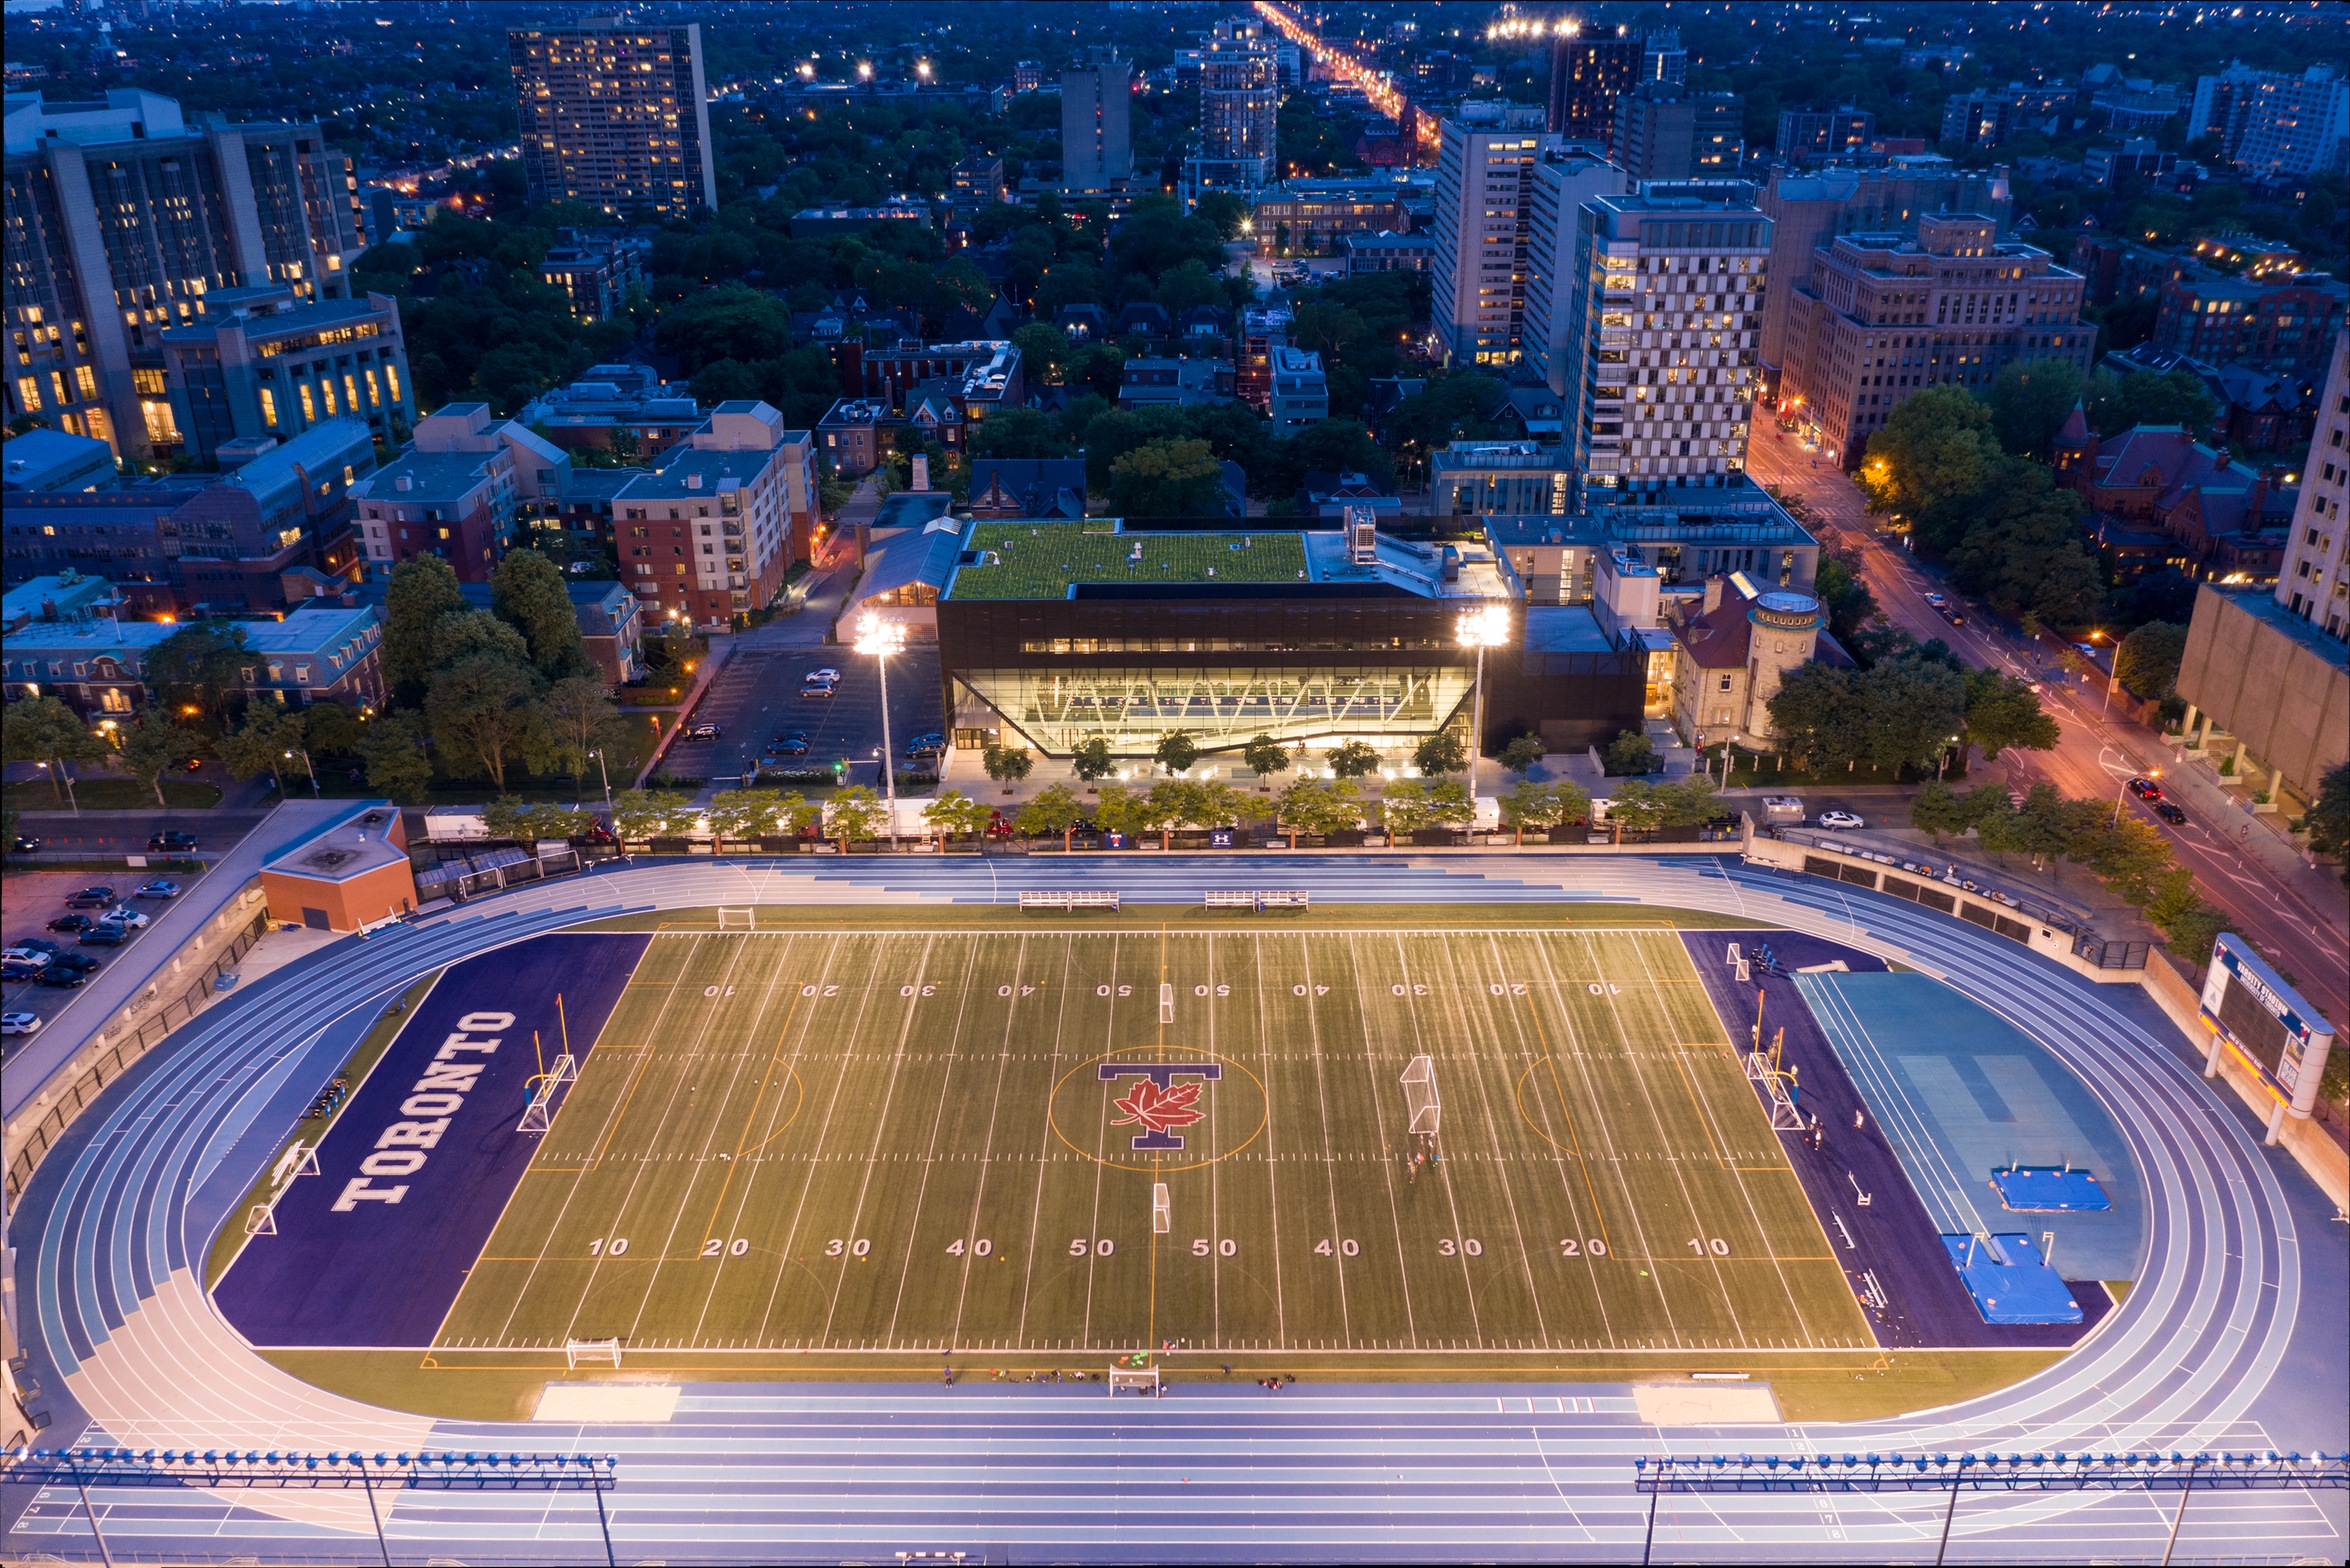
2295	912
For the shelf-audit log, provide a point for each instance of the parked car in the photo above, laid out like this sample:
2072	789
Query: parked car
820	690
71	923
97	897
105	936
2170	813
707	732
80	962
787	746
1839	819
161	887
125	916
60	976
926	746
32	956
2146	789
172	840
19	1023
11	972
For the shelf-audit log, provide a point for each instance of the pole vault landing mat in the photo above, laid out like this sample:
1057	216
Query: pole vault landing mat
2009	1280
2025	1190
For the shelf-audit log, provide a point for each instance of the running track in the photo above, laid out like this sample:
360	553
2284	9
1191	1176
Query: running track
106	1237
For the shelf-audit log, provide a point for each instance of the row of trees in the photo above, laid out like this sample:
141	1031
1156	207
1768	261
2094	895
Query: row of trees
2127	853
1969	473
1911	708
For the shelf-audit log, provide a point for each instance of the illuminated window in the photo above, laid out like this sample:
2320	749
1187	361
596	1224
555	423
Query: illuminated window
28	392
309	408
269	408
392	380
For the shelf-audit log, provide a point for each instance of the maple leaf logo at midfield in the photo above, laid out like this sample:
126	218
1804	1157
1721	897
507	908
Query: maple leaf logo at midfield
1158	1109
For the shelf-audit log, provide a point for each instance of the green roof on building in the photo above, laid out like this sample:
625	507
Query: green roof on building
1041	560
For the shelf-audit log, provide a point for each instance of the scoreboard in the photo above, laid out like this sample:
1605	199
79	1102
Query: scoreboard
2265	1022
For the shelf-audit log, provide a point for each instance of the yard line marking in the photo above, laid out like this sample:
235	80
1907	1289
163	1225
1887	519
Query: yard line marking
995	1109
743	1147
1556	1157
937	1119
1329	1163
1738	1180
1451	1196
636	1177
1460	991
554	1223
1607	1140
897	1062
1386	1176
719	1009
816	1150
1656	1115
1272	1160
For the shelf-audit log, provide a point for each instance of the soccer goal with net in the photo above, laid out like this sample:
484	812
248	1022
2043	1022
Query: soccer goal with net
538	1111
1419	1096
1143	1380
577	1350
738	920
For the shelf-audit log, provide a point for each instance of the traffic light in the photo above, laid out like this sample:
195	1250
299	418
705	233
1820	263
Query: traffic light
840	771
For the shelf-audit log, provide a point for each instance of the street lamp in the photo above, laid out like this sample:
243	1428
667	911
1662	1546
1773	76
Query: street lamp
1487	626
880	637
307	768
598	754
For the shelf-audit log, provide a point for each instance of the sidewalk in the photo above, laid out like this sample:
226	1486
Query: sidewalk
2195	783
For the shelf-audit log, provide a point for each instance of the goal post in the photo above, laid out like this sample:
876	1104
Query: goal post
1420	1097
738	919
538	1111
1143	1380
576	1351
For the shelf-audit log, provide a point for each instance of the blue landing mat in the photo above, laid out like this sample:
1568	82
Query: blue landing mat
2010	1282
2063	1191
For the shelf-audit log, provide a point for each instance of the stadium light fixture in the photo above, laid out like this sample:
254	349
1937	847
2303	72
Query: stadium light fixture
1487	626
878	637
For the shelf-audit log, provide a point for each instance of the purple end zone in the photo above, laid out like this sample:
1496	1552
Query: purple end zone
372	1250
1892	1241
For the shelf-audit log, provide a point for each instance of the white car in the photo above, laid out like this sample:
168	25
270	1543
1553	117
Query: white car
825	676
19	1023
123	915
34	956
1839	819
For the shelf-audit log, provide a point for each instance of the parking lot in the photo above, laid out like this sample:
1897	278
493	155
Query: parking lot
757	696
34	898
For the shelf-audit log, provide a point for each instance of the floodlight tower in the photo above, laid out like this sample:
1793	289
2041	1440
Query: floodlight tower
1487	626
880	637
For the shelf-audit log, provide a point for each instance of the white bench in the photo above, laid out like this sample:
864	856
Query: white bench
1068	898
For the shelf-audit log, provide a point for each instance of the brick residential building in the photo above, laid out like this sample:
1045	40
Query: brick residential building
2286	323
1881	317
709	534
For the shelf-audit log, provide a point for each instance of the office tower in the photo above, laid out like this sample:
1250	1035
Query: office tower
125	219
1484	190
615	115
1097	140
1825	133
1564	179
1667	305
1666	132
1808	210
1586	76
1662	59
1881	316
2273	125
1239	99
2314	582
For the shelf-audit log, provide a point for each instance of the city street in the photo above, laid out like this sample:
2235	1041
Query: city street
2295	913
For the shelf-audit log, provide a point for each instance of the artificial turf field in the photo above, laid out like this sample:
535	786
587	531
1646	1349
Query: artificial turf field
910	1140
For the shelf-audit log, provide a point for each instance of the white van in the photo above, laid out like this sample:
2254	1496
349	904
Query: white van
1782	808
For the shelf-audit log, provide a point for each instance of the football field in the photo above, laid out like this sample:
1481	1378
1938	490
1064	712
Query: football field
901	1140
